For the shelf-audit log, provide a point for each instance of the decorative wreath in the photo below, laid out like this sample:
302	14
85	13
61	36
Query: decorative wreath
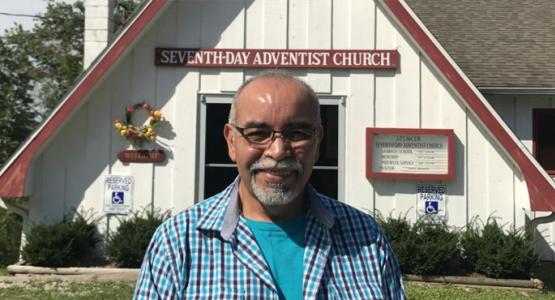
139	134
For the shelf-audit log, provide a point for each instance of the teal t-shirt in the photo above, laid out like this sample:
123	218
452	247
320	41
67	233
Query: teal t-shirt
282	244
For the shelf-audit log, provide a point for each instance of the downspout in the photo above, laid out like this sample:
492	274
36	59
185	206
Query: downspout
531	227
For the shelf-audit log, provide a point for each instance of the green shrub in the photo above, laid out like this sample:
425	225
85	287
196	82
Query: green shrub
497	253
433	249
402	237
70	242
10	237
470	243
128	245
423	248
436	250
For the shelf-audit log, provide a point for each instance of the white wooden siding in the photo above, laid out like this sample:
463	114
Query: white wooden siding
516	111
70	171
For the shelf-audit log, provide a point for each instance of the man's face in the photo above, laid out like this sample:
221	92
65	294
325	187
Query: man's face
276	173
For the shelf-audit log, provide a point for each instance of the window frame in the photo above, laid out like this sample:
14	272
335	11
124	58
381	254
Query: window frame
227	98
537	115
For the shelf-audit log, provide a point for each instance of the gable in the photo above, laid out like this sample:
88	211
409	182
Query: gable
378	86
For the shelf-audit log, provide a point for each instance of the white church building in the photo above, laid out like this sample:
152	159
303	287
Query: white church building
406	131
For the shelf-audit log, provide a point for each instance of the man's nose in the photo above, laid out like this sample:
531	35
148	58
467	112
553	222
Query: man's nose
279	148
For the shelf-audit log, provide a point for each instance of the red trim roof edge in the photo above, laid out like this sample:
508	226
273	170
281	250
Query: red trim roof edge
12	180
541	191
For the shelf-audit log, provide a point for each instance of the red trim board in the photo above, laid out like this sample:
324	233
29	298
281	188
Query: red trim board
541	191
12	180
410	153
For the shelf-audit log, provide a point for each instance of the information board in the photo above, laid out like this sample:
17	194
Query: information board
401	153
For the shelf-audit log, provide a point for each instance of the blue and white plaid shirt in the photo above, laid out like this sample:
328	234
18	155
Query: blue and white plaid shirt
208	252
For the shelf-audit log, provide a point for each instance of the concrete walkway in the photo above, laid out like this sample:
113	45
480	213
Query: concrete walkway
24	275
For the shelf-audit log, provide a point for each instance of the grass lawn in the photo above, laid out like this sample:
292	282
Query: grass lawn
61	290
415	291
4	272
429	292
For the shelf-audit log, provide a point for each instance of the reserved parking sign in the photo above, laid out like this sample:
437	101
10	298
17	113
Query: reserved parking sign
118	194
431	200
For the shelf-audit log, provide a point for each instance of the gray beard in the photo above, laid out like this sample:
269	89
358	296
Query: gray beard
276	196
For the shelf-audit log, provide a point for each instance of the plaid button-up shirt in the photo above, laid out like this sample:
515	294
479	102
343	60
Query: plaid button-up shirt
208	252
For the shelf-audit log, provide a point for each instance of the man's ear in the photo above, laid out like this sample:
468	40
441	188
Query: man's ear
230	139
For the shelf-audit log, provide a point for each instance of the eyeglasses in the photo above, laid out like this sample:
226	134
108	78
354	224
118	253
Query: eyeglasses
261	137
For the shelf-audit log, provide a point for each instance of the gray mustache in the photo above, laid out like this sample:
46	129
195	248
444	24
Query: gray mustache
285	164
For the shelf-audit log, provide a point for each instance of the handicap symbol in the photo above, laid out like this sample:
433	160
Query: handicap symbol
117	197
431	207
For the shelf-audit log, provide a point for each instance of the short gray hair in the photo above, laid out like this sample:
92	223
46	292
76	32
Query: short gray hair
277	74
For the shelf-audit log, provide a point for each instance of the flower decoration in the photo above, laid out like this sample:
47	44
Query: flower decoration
139	134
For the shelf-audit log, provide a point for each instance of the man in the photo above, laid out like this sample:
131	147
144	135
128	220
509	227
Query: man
270	235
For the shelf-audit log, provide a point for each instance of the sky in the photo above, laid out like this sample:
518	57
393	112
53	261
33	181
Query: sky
27	7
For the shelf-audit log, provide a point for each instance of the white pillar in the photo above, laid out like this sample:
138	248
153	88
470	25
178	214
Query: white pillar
98	28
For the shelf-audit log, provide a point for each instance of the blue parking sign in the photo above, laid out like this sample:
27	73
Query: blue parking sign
431	207
118	198
118	194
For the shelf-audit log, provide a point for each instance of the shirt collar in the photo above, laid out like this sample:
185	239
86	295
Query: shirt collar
232	213
225	220
215	208
318	210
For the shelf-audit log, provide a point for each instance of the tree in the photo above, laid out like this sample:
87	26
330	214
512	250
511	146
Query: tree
39	66
55	48
123	11
17	117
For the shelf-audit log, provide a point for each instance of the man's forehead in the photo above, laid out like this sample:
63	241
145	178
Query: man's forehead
276	91
282	99
271	84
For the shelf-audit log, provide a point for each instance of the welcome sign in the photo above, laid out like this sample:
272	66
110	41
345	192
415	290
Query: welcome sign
268	58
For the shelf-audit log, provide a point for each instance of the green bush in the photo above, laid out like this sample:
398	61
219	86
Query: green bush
128	245
402	237
423	248
10	237
70	242
496	253
436	249
470	243
431	248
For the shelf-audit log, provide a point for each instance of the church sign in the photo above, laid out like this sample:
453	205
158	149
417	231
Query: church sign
274	58
414	154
